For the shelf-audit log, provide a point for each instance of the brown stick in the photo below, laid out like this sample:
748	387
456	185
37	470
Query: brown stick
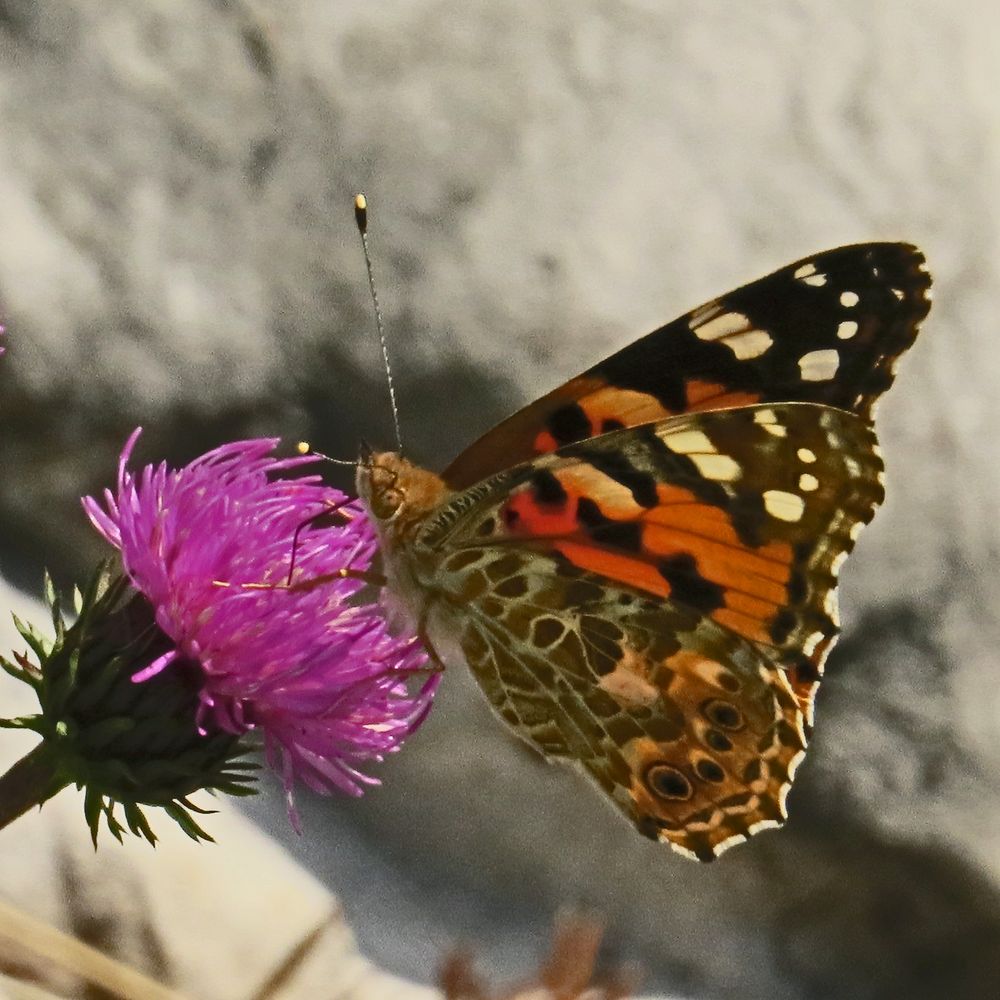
54	947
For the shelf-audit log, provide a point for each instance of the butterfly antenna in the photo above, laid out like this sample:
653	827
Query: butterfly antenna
304	448
361	217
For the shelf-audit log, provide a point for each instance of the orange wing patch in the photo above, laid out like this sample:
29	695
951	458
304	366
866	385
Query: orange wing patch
681	548
631	571
598	411
609	408
713	396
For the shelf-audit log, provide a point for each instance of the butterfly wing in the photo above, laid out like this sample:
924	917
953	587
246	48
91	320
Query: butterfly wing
827	329
692	733
656	604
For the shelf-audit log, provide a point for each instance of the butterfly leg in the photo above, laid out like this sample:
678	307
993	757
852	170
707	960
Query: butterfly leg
333	510
436	665
366	576
421	636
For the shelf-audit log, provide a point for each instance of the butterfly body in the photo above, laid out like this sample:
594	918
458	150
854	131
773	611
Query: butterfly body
640	568
400	497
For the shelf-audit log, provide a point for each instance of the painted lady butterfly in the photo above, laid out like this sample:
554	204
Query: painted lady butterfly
640	568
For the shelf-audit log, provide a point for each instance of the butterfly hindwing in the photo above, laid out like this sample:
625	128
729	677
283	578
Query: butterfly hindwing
827	329
689	731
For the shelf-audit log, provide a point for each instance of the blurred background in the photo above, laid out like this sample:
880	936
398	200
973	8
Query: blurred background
546	182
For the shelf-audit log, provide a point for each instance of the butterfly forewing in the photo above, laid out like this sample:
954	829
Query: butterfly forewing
827	329
743	515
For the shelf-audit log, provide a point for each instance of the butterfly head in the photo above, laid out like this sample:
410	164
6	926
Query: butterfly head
397	492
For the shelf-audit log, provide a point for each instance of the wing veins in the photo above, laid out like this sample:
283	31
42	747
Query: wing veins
490	629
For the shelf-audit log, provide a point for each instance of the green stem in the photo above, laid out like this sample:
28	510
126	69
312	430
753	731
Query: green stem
30	782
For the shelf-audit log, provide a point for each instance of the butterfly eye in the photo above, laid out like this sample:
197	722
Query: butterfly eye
668	783
385	503
723	714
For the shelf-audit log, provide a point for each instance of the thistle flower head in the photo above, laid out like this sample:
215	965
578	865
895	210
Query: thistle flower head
313	669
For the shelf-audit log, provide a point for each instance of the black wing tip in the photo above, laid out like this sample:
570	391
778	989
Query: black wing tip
898	258
901	260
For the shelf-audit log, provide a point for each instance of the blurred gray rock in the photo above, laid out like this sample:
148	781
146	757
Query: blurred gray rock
547	181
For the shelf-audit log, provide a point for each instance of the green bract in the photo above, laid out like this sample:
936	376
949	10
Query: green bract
127	744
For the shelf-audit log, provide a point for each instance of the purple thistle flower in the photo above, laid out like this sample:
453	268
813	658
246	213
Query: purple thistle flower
317	673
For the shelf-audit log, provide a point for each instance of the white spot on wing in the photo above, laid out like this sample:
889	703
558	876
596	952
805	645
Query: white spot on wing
734	330
723	326
831	607
681	850
721	468
808	274
849	299
819	366
769	422
724	845
793	766
807	482
784	506
847	329
688	442
805	455
782	796
749	345
812	641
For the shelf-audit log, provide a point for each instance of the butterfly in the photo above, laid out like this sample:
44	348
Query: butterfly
640	567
